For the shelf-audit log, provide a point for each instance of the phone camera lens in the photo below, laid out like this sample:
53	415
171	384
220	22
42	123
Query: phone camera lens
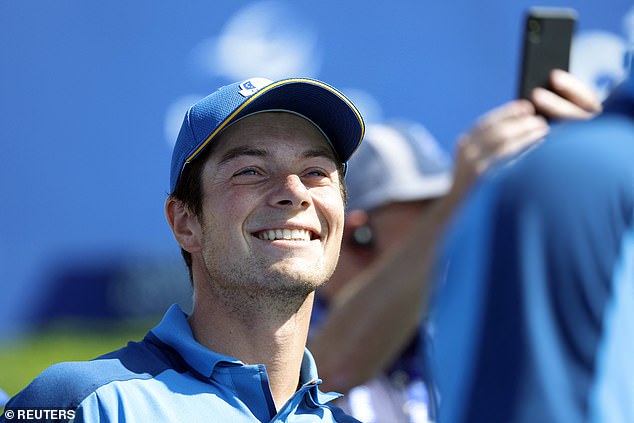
534	30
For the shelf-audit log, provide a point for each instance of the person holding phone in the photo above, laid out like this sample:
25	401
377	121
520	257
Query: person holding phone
534	313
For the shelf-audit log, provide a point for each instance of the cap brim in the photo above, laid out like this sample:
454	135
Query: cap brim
324	105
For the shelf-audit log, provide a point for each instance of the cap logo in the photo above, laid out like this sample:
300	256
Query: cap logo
253	85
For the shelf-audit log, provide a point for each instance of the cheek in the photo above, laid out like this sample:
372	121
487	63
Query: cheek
224	213
231	201
334	213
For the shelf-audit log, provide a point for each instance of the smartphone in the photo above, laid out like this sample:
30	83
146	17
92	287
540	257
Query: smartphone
546	45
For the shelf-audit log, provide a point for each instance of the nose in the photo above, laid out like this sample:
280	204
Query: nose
291	192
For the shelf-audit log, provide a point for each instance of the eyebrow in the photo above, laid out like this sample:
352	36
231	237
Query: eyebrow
322	152
243	150
246	150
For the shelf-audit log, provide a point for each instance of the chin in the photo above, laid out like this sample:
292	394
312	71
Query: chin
304	277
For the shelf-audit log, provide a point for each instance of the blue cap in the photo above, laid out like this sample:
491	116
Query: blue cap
325	106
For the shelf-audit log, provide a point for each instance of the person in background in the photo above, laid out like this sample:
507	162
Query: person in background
402	190
397	176
534	313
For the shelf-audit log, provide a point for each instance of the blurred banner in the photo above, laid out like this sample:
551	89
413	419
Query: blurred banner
92	95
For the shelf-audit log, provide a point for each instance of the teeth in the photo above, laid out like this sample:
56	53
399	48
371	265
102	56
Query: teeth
285	234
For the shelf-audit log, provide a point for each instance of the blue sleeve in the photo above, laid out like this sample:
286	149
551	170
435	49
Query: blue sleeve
64	386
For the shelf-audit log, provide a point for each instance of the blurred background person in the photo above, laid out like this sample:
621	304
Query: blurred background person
402	188
395	178
535	312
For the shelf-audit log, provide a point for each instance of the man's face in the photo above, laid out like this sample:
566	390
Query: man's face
272	206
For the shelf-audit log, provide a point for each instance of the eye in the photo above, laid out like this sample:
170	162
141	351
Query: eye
248	172
248	176
317	172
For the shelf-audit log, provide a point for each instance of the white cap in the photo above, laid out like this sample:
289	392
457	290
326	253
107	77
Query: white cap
398	161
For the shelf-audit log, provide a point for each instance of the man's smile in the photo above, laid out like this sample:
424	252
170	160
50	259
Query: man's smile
287	234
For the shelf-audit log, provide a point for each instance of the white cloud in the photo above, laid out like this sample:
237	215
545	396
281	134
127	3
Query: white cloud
266	38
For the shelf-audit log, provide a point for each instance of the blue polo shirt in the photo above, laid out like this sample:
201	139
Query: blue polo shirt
534	317
168	376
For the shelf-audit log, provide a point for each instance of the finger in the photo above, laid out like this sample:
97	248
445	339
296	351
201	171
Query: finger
477	154
510	110
568	86
515	144
520	144
556	107
508	150
517	129
501	123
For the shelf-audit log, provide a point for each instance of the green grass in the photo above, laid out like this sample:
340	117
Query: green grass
22	361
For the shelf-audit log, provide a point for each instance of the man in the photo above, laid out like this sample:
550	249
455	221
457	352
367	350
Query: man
257	206
535	314
401	192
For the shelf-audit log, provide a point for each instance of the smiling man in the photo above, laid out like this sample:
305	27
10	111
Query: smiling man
257	207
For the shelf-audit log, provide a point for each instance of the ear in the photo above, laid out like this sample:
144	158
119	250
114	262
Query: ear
355	218
184	224
357	232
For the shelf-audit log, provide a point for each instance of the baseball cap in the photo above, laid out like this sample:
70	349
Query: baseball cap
398	161
323	105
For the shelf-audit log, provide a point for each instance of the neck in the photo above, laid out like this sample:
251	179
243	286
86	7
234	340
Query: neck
256	329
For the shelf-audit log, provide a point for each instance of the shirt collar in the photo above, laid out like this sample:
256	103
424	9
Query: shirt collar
174	330
308	371
309	380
